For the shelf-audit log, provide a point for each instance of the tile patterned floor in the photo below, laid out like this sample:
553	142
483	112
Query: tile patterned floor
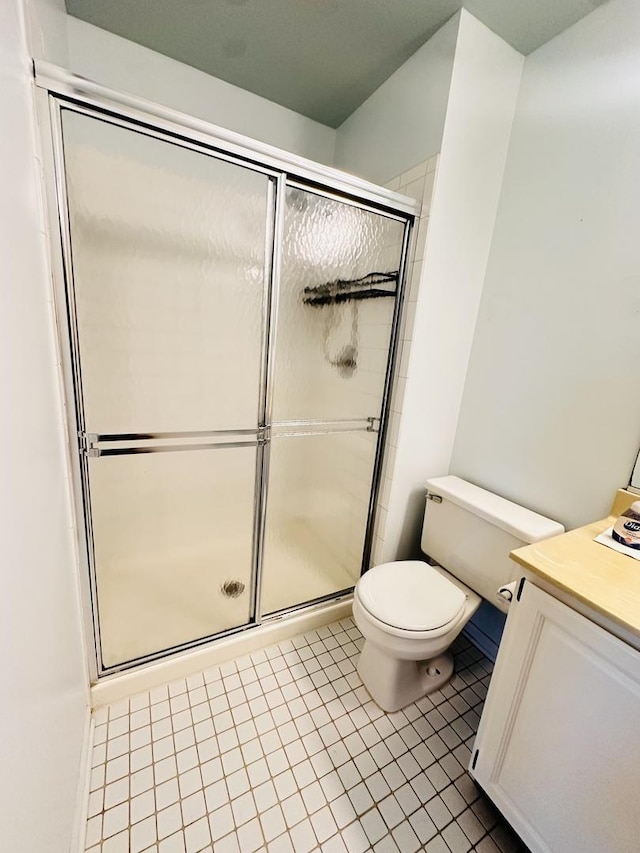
282	751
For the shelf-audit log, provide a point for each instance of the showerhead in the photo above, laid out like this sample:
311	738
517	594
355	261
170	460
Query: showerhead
297	199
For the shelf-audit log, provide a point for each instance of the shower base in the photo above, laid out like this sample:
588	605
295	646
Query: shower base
164	602
113	688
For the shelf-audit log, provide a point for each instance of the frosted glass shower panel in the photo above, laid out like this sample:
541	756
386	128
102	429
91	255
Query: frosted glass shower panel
319	487
169	270
173	539
340	270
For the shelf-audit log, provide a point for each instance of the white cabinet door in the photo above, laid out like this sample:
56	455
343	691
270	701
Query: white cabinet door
558	747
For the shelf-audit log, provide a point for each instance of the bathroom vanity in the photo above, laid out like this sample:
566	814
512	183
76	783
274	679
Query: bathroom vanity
558	747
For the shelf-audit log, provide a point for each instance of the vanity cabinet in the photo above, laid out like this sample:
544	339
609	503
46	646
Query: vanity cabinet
558	746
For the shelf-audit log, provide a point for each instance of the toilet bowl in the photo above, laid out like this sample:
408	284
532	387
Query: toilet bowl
409	614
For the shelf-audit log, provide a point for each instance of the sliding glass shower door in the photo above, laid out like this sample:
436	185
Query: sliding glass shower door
229	335
167	311
341	267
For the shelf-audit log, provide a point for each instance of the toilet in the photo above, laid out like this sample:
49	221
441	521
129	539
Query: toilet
410	611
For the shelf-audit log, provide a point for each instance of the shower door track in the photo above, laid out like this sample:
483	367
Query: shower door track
58	88
75	89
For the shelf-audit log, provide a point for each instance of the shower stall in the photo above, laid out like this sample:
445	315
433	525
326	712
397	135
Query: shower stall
228	317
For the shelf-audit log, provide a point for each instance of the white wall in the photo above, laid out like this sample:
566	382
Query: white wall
120	64
43	705
551	409
482	99
46	22
401	124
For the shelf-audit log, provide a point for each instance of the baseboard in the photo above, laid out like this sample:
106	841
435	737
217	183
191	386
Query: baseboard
84	782
486	645
113	688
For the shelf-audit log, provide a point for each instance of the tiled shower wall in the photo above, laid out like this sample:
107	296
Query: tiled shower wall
418	183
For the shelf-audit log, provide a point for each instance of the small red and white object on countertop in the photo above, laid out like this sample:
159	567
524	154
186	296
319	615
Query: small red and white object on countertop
624	535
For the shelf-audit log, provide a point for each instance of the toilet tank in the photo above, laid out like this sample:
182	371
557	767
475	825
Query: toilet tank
470	532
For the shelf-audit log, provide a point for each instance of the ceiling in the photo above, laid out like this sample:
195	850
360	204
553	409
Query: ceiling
321	58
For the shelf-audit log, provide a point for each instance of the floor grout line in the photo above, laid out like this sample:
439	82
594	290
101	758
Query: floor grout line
284	750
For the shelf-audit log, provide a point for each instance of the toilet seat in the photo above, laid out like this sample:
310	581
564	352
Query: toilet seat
410	595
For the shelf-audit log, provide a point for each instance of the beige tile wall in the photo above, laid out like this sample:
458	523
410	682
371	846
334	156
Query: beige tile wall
418	183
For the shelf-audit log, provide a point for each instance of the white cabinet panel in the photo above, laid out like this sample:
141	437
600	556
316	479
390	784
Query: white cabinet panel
558	748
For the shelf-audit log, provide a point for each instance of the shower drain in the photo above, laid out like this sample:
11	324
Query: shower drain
232	589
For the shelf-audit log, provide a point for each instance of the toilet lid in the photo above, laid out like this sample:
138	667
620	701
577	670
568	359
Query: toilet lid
410	594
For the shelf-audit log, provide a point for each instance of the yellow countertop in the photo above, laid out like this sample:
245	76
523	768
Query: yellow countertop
603	579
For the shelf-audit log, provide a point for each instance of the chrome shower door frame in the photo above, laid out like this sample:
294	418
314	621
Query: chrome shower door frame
57	89
320	427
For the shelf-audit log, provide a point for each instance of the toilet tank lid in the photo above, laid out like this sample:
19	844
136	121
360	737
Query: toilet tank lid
522	523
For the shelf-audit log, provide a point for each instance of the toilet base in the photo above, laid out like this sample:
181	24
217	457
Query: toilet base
393	684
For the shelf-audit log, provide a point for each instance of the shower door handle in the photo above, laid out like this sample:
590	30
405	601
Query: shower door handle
126	444
283	429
